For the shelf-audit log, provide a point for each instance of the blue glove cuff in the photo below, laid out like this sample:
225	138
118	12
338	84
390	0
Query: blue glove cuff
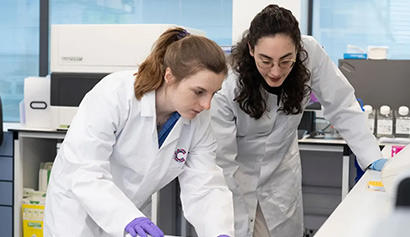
378	164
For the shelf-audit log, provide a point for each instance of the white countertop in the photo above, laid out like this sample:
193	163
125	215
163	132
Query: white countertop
22	127
339	141
359	212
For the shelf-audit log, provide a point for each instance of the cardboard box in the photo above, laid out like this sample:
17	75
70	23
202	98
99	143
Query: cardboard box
33	224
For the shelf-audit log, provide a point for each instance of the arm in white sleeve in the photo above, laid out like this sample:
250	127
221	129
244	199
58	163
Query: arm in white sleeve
206	199
224	129
87	149
341	108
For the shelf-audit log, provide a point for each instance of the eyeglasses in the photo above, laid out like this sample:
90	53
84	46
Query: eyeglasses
268	64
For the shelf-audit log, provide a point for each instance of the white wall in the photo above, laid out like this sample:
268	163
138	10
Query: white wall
243	11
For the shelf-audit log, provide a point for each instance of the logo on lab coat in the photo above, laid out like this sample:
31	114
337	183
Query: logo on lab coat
180	155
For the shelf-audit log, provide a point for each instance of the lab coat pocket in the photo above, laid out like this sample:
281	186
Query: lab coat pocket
286	186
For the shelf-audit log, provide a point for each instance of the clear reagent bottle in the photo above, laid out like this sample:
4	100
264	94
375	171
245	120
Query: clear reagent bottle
385	122
368	109
402	128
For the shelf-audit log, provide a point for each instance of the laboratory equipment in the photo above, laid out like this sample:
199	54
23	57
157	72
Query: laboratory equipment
307	124
379	82
385	122
402	122
67	91
37	109
371	115
82	54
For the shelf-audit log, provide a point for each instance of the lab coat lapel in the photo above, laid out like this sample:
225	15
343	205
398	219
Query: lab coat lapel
175	132
148	111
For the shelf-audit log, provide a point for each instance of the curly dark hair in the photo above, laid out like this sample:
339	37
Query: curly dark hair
252	100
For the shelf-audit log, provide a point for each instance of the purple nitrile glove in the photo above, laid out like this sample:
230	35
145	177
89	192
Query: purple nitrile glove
224	236
142	226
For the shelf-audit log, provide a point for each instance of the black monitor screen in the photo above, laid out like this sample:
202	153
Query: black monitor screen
68	89
379	82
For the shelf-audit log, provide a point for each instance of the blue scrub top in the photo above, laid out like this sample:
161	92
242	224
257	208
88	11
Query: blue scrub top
167	127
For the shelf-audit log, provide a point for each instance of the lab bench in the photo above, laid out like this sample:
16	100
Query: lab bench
328	173
31	147
21	153
360	212
324	185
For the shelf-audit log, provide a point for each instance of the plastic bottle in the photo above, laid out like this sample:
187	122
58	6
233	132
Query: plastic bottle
371	116
385	122
402	128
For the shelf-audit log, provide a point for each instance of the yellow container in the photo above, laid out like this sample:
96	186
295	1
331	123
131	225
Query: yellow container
33	220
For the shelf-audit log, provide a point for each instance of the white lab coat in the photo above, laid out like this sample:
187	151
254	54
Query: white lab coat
109	165
260	158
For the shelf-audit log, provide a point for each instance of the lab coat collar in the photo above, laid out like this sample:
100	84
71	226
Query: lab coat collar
148	104
148	110
148	107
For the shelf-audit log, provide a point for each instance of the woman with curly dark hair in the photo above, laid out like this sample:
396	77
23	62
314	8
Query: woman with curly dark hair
256	114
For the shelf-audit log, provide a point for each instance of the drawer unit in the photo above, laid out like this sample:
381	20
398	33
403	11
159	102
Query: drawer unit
6	148
6	185
6	221
6	169
6	193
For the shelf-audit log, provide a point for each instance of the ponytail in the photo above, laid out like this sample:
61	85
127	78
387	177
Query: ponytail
151	72
183	53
